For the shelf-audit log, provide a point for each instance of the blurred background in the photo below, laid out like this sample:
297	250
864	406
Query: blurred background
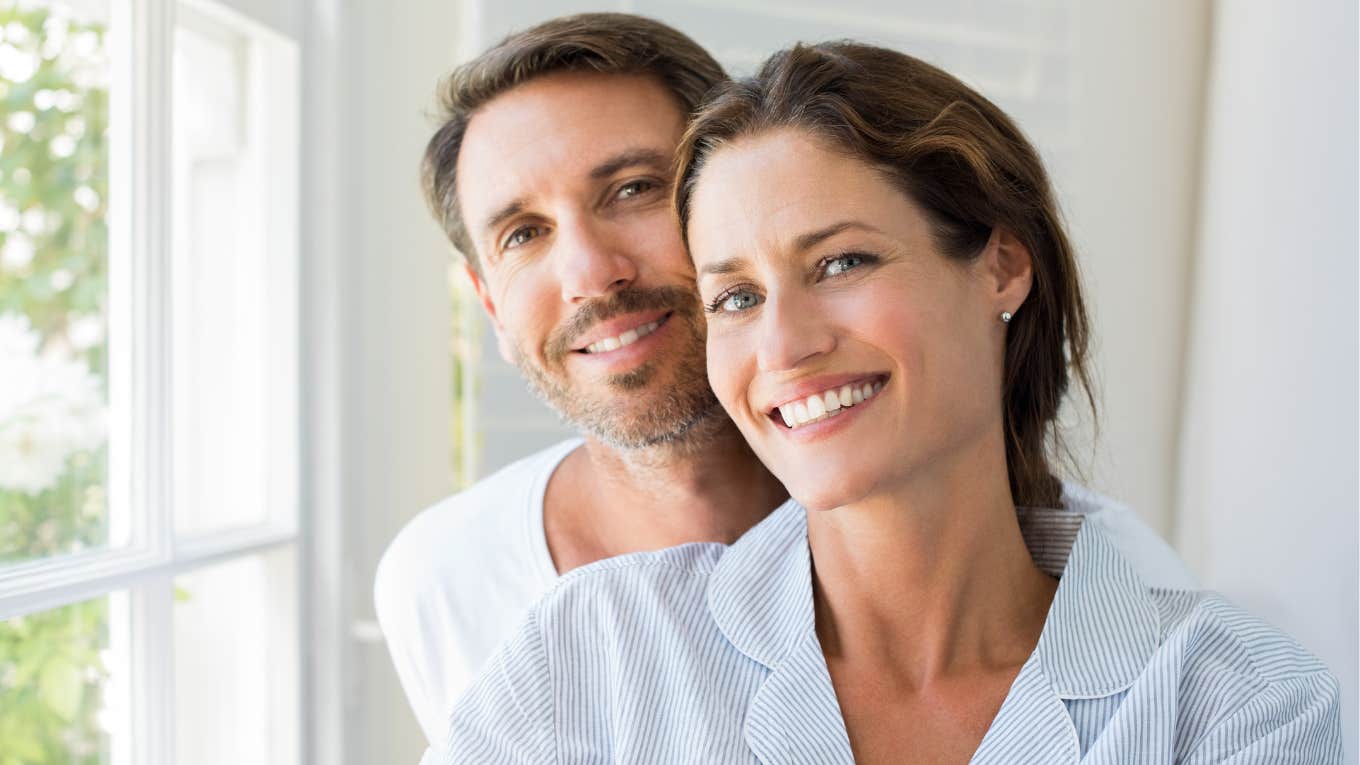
235	357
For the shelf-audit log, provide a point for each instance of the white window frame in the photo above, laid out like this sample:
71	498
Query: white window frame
144	556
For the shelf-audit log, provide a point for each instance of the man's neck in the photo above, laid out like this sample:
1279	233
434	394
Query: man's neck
603	501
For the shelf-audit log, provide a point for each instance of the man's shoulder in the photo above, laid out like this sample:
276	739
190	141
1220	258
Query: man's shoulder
457	578
1156	563
485	525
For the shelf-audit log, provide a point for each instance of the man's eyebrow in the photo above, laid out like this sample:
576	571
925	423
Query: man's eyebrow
813	238
509	210
628	158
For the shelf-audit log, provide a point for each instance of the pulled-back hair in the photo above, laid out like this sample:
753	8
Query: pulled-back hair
969	168
609	43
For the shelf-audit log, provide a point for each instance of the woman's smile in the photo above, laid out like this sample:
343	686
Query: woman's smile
831	397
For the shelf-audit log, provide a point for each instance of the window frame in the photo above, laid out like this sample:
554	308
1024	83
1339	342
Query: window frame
138	567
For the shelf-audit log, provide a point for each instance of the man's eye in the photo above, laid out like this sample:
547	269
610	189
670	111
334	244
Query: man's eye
633	188
735	301
842	263
521	236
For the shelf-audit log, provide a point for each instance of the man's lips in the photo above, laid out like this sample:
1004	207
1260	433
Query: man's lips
620	331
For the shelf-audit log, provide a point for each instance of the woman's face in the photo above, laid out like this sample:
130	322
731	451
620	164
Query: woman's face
851	353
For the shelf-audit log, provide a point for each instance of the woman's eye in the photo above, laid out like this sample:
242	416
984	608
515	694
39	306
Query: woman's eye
735	301
842	263
521	236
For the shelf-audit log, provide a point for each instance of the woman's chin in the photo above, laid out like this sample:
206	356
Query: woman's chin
824	495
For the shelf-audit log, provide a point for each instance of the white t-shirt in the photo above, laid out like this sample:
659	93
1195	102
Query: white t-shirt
460	577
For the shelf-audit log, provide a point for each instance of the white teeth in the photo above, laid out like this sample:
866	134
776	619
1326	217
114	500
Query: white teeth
820	406
816	407
627	338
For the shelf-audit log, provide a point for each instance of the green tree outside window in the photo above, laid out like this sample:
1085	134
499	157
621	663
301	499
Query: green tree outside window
53	381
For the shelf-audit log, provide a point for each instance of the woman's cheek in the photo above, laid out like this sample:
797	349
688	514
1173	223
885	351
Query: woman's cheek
726	370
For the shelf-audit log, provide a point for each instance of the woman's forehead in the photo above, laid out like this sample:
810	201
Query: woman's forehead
775	191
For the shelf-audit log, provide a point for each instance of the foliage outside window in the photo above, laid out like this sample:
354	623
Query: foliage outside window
54	73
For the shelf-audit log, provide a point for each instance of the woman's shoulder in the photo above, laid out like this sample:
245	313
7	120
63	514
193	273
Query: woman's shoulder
1210	630
600	595
1245	687
601	647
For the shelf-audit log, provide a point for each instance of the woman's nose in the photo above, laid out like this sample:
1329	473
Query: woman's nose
793	331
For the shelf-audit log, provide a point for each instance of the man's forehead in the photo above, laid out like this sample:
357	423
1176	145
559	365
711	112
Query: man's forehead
562	130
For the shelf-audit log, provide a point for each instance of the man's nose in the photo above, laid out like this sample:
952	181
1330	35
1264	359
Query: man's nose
590	262
793	330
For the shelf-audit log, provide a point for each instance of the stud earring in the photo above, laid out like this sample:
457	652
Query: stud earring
1006	317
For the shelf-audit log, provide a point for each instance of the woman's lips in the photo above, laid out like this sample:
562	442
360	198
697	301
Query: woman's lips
829	402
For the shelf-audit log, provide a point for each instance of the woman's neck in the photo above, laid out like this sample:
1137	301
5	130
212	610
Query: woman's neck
928	580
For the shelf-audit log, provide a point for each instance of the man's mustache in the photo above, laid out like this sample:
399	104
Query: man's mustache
629	300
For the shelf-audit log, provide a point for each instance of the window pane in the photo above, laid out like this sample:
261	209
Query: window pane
54	116
236	668
234	288
60	685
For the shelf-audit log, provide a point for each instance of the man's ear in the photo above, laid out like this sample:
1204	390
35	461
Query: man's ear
503	343
1010	270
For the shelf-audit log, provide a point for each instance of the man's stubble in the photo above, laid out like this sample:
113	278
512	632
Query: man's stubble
638	409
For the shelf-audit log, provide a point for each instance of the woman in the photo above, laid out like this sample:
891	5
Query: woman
893	317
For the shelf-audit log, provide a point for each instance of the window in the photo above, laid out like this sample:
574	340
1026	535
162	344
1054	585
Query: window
148	384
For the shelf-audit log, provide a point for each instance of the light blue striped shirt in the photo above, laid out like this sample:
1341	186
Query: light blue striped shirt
707	653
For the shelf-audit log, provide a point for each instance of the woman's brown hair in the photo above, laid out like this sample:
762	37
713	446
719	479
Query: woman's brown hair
969	168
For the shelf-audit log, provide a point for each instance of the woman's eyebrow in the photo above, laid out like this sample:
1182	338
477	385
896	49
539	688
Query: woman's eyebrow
727	266
802	243
813	238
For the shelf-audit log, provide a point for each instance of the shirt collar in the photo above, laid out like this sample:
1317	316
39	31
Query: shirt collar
1103	626
760	595
760	592
1101	629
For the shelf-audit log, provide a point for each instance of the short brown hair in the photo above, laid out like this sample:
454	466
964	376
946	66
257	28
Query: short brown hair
969	168
609	43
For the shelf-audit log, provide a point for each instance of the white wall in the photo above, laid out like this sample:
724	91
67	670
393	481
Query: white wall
1130	203
394	318
1268	496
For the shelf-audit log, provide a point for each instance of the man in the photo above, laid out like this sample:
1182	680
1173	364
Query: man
550	174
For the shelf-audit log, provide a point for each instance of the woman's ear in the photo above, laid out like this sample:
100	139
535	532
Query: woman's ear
1009	269
503	344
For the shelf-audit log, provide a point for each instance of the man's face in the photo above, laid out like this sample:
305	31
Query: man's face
564	184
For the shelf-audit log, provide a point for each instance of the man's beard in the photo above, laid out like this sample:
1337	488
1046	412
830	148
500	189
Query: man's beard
634	409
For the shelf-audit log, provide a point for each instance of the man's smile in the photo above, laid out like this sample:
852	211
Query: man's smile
607	336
